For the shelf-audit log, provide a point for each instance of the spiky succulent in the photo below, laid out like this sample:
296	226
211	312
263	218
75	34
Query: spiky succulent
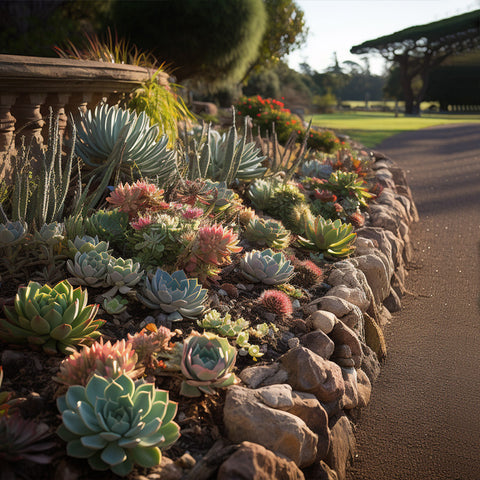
55	318
174	294
89	268
107	224
270	233
112	128
50	233
116	424
276	302
285	198
260	192
207	364
333	238
22	440
122	275
317	169
103	359
12	233
266	266
348	184
85	244
223	326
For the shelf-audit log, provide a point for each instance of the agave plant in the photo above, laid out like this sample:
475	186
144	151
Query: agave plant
174	294
12	233
223	326
85	244
268	232
334	238
267	267
55	318
103	359
89	269
207	364
116	424
22	440
122	275
112	128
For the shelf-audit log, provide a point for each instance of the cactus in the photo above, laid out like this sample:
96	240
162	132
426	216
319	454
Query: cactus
55	318
174	294
267	267
116	424
276	302
332	238
207	364
270	233
103	359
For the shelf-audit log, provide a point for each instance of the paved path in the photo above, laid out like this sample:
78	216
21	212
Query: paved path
423	421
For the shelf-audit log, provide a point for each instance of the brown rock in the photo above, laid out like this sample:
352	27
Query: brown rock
254	462
350	397
318	342
342	335
370	363
321	471
364	388
343	446
374	337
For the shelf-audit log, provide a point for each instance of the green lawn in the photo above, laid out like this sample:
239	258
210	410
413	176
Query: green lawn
370	128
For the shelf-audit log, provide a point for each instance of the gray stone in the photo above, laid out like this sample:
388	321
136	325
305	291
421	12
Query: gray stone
318	342
263	375
353	295
276	396
247	419
322	320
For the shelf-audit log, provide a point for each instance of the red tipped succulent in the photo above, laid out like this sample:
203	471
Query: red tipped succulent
276	302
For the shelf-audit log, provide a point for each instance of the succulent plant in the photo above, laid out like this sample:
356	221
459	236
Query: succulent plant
85	244
260	192
108	225
174	294
298	214
117	424
317	169
334	238
115	305
348	184
74	226
285	198
270	233
100	133
50	233
55	318
89	269
207	364
23	440
103	359
122	275
276	302
266	266
223	326
6	401
12	233
308	273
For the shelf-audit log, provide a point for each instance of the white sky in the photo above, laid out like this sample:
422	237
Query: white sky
338	25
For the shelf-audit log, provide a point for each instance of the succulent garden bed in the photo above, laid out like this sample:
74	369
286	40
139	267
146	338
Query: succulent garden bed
159	303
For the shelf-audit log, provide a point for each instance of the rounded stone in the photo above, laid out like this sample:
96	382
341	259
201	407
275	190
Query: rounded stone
323	320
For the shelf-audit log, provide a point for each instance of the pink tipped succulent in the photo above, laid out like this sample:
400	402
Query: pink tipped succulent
141	222
276	302
192	213
214	244
325	195
104	359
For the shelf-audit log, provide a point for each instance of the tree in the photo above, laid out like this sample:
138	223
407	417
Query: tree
285	32
417	50
212	41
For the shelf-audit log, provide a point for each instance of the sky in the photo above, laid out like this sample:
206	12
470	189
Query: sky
338	25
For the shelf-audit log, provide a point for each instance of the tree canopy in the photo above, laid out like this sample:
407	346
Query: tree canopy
416	50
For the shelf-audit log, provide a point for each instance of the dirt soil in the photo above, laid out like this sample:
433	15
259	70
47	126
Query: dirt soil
423	421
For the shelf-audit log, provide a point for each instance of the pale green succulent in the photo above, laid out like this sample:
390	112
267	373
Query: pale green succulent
107	224
317	169
50	233
223	326
348	184
174	294
116	424
12	233
270	233
115	305
122	274
333	238
55	318
260	193
266	266
89	269
99	134
74	226
207	364
85	244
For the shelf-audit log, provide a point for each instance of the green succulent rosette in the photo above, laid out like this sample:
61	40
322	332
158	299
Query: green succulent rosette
55	318
116	424
207	364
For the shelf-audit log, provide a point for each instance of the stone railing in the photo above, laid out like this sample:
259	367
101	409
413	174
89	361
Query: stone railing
29	86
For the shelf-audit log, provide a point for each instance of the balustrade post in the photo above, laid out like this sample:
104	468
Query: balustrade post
7	129
57	101
29	119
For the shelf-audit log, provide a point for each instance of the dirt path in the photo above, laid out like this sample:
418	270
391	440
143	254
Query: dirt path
424	419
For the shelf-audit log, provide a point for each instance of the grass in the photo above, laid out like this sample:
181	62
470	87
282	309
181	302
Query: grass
371	128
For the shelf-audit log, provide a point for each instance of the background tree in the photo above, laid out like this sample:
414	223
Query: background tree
213	41
417	50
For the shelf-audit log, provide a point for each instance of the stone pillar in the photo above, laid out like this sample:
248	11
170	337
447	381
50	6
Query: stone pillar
57	102
29	119
7	129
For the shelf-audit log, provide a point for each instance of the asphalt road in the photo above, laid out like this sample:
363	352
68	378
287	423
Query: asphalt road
423	421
